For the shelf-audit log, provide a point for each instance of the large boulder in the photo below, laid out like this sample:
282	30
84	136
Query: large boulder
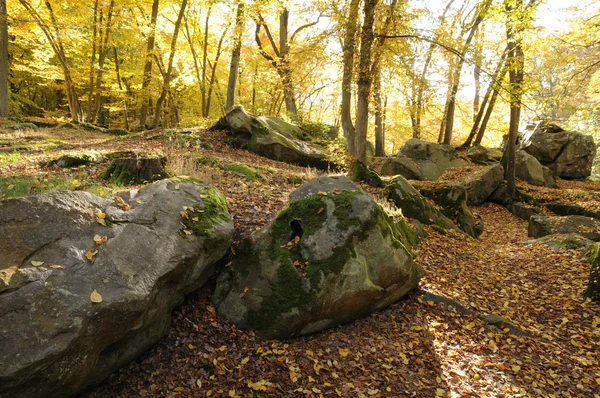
414	205
529	169
587	227
332	256
87	284
569	154
422	160
274	138
483	183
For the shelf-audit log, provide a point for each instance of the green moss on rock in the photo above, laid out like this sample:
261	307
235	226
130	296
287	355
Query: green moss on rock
202	217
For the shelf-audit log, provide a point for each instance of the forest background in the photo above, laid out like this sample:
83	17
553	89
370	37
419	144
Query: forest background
147	63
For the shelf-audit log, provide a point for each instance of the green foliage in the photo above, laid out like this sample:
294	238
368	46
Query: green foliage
19	186
250	173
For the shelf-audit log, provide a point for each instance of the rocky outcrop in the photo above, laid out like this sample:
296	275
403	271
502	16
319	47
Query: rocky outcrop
332	256
563	209
524	211
482	184
273	138
569	154
414	205
452	199
87	284
593	257
587	227
421	160
529	169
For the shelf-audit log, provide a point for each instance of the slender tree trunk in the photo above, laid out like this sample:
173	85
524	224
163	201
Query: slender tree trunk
190	40
478	59
213	72
385	101
235	55
515	61
417	104
364	81
119	82
349	46
449	124
496	79
3	60
92	62
148	65
379	145
102	52
167	79
204	61
490	106
284	64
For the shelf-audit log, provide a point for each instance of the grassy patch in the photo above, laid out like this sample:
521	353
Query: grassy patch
9	157
19	186
250	173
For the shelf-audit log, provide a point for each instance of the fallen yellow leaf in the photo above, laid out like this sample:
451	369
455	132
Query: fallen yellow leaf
95	297
37	263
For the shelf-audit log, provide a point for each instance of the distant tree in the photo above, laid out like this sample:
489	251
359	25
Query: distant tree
235	55
3	60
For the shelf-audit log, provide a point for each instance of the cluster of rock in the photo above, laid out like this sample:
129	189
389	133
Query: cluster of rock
87	284
274	138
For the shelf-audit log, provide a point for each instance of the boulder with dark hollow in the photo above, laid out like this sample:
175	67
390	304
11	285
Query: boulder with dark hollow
273	138
87	284
331	257
422	160
587	227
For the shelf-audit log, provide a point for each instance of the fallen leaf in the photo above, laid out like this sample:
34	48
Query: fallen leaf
95	297
37	263
10	187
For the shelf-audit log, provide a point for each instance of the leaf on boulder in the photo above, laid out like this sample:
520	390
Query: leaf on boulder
90	255
37	263
95	297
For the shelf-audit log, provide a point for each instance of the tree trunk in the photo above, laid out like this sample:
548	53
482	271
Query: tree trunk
148	65
449	115
417	105
477	58
3	60
204	60
213	73
364	81
486	106
92	62
379	144
235	55
490	106
119	82
167	79
349	46
515	61
102	51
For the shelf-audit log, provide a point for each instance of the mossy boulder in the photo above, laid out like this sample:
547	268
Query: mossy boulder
273	138
70	322
331	257
361	172
529	169
564	241
414	205
478	154
422	160
452	199
587	227
77	159
593	257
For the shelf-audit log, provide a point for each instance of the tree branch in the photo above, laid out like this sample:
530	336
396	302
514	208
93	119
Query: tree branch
262	51
308	25
268	32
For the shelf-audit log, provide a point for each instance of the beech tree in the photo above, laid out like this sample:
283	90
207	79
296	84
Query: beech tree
3	60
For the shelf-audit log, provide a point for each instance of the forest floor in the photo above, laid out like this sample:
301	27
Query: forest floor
416	347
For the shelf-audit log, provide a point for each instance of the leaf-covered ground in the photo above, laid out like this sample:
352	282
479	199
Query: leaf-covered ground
414	348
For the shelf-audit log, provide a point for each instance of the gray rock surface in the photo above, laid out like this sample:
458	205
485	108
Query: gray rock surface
569	154
55	340
586	227
422	160
482	184
524	211
529	169
332	256
274	138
